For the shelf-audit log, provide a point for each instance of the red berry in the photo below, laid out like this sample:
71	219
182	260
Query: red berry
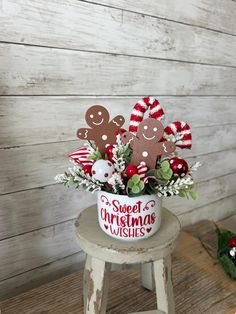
120	131
87	169
110	157
179	166
108	149
232	242
131	170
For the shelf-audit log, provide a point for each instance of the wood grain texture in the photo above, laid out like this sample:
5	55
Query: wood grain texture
116	31
209	191
220	209
217	15
32	120
28	208
28	167
41	207
41	275
37	248
200	286
43	71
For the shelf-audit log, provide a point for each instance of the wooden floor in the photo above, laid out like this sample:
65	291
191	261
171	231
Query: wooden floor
200	284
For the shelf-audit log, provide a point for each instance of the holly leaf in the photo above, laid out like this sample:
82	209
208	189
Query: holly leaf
228	265
223	238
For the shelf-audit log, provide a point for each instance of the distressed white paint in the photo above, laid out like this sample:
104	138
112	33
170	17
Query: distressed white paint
102	250
53	72
55	24
55	119
28	167
214	14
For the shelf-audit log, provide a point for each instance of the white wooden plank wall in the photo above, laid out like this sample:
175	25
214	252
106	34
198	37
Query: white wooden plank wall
57	58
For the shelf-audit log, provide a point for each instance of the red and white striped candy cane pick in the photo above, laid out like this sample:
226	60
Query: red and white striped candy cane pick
139	110
180	132
81	155
142	170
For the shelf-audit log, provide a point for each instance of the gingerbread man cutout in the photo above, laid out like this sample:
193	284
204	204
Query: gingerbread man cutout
145	145
101	131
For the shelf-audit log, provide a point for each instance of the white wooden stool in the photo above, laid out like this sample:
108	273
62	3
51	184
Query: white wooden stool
103	250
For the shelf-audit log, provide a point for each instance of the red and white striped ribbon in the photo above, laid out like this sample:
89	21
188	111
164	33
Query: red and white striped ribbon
181	133
142	170
81	156
139	110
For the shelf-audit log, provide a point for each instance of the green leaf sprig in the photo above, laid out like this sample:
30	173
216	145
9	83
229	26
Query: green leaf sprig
164	172
96	155
135	185
188	192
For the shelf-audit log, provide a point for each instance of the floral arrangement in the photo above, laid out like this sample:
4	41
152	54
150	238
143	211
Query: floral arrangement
227	251
140	161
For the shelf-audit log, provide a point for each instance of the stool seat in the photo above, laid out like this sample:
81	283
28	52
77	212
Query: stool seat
96	243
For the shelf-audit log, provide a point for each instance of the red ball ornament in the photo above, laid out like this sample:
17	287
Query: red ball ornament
109	149
232	242
131	170
179	166
87	169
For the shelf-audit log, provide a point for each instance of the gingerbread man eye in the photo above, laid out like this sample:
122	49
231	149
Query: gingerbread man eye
91	116
145	127
99	113
154	129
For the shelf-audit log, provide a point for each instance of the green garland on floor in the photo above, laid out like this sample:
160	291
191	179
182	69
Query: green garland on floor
227	251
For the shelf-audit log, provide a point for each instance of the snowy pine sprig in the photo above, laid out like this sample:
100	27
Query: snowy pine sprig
173	187
120	153
116	183
195	166
75	177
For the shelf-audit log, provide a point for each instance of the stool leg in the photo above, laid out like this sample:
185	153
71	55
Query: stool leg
147	276
96	275
164	289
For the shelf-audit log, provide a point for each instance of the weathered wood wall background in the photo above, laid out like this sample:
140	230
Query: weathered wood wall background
58	57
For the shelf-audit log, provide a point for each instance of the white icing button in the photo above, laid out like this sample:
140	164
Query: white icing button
179	166
104	137
145	154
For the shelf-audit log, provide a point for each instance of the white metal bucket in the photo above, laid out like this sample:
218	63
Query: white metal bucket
129	218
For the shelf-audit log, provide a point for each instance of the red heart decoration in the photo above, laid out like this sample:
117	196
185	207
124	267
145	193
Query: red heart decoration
149	229
106	227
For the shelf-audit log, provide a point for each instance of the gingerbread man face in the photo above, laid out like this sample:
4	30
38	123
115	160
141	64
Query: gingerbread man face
146	146
101	131
96	115
150	130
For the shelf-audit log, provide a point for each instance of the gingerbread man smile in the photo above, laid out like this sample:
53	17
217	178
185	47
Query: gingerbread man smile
101	131
145	145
